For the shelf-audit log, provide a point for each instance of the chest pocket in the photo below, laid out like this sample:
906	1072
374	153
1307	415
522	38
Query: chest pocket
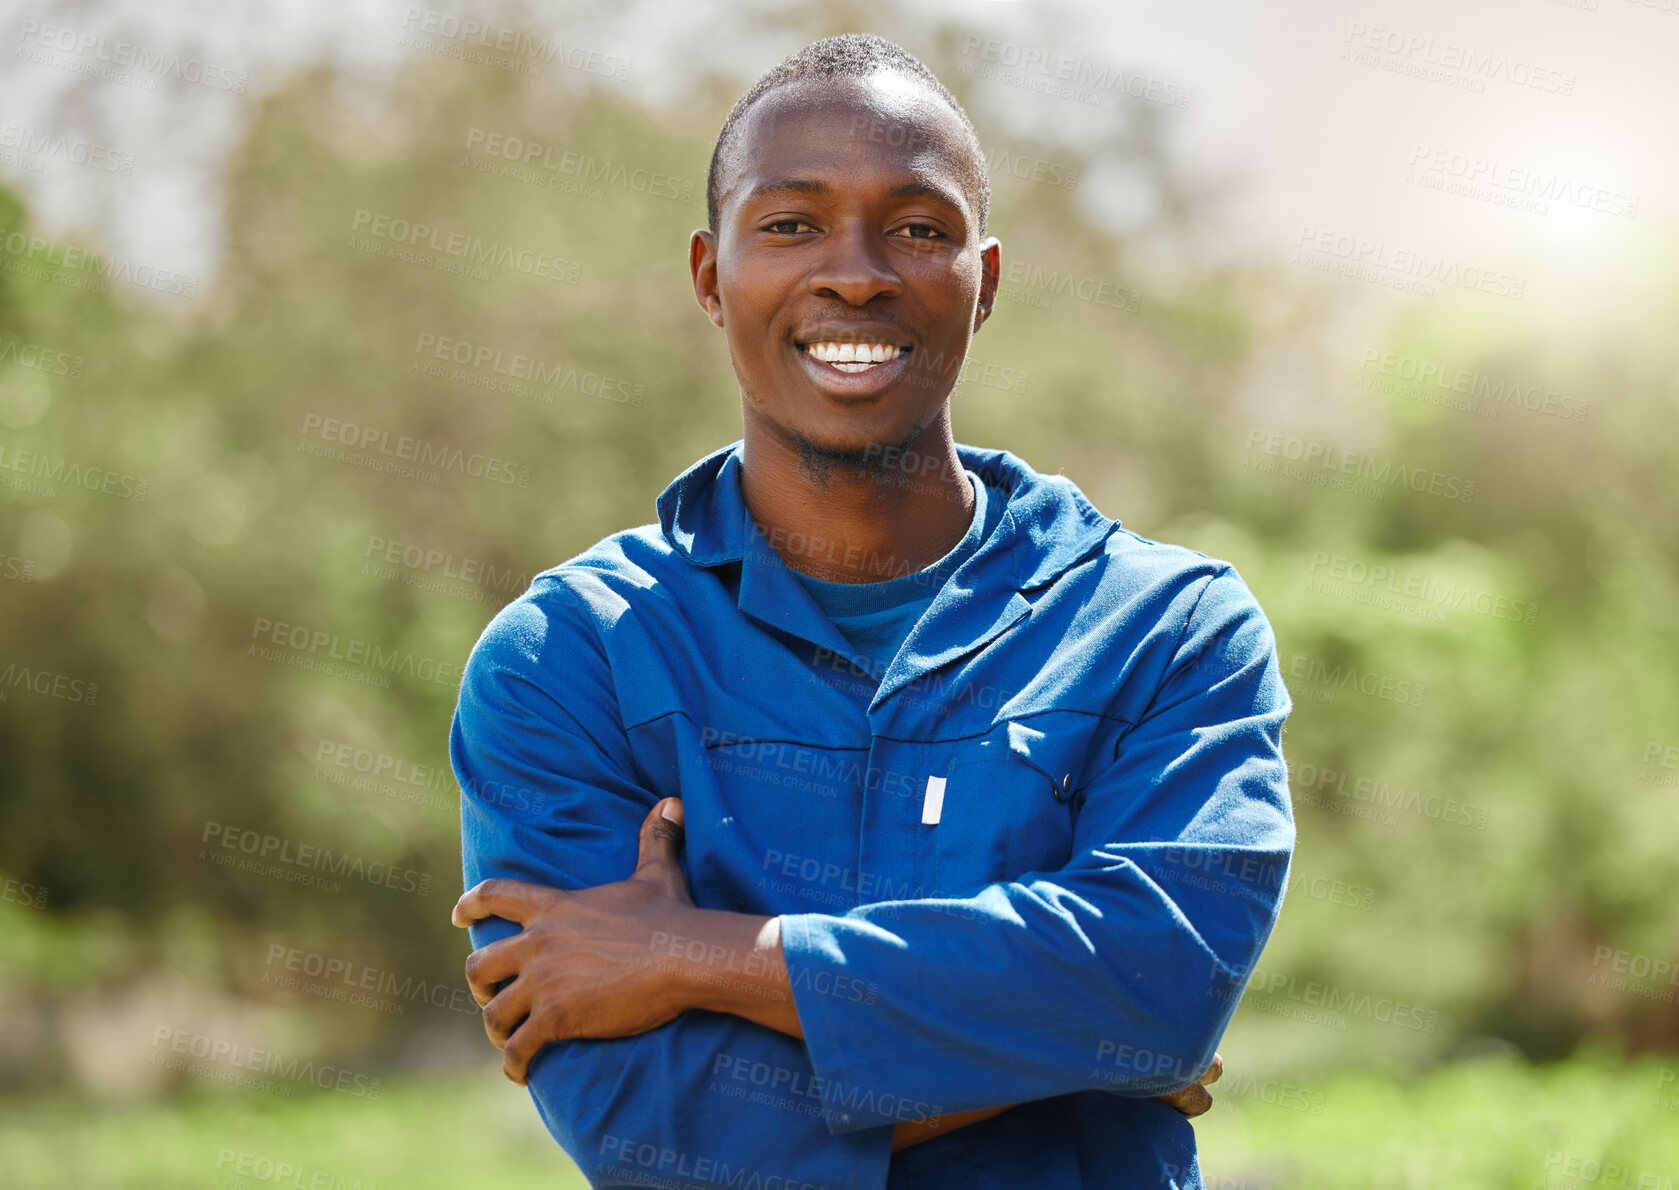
1008	808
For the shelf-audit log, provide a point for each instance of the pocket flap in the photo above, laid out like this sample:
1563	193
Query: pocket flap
1056	756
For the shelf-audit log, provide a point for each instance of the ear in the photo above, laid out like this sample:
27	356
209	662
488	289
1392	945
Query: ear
702	263
990	273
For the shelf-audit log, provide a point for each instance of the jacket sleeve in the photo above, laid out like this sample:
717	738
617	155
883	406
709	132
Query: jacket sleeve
1119	971
550	794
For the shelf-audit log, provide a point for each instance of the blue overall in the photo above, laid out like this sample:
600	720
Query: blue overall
1031	860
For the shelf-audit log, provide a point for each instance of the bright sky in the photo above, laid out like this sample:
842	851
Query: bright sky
1334	126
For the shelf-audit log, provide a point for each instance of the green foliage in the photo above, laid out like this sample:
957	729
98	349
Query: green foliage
1485	1125
1149	398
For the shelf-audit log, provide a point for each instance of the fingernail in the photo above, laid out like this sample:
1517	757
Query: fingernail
672	810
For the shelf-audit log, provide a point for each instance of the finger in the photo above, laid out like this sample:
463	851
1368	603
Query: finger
1214	1072
506	1012
1192	1101
661	839
514	900
490	965
526	1042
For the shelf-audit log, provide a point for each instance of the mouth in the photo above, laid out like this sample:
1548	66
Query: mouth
853	367
853	357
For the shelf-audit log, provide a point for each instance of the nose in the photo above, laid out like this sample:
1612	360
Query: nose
853	266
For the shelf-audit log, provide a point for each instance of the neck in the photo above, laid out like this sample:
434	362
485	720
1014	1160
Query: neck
858	517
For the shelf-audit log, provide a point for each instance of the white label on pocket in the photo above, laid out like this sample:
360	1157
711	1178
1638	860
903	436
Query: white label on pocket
934	802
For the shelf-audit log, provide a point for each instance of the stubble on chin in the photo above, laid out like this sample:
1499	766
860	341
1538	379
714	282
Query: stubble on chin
821	462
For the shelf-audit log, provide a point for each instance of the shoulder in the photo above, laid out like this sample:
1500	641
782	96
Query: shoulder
1180	599
574	605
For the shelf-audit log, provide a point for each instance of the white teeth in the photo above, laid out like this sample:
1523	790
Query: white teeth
853	357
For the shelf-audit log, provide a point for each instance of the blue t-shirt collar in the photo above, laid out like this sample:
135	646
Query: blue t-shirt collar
1047	527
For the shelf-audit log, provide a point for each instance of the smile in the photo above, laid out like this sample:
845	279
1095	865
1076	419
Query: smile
853	357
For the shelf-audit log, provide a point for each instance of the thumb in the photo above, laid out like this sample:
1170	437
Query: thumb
661	840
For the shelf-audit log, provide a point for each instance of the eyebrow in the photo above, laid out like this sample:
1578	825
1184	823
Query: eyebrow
811	187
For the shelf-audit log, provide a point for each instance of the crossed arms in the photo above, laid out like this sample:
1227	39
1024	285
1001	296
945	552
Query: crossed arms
597	963
1132	932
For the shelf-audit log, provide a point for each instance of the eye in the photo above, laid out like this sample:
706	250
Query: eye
920	231
788	227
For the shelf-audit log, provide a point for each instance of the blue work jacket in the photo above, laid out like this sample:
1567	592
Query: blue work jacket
1032	863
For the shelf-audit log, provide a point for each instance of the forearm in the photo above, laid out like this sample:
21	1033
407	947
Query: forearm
732	962
913	1132
743	972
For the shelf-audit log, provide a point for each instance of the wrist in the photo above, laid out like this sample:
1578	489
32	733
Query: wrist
723	961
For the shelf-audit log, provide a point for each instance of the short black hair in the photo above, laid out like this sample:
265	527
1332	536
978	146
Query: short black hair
850	55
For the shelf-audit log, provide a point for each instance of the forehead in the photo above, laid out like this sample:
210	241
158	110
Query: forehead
854	130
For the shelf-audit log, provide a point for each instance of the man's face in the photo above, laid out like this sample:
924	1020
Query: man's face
848	270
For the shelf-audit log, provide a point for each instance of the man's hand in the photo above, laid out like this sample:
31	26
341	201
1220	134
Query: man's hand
1195	1099
584	964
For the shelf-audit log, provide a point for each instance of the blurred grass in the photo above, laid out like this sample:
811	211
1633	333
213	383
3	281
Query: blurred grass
1496	1124
422	1133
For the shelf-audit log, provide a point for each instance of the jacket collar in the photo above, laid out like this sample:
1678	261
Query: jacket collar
1047	527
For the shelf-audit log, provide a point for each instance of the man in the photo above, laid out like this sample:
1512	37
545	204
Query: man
983	818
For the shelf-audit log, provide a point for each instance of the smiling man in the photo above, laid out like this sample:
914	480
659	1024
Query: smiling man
884	815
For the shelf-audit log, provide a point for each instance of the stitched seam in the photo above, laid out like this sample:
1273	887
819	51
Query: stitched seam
1172	666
